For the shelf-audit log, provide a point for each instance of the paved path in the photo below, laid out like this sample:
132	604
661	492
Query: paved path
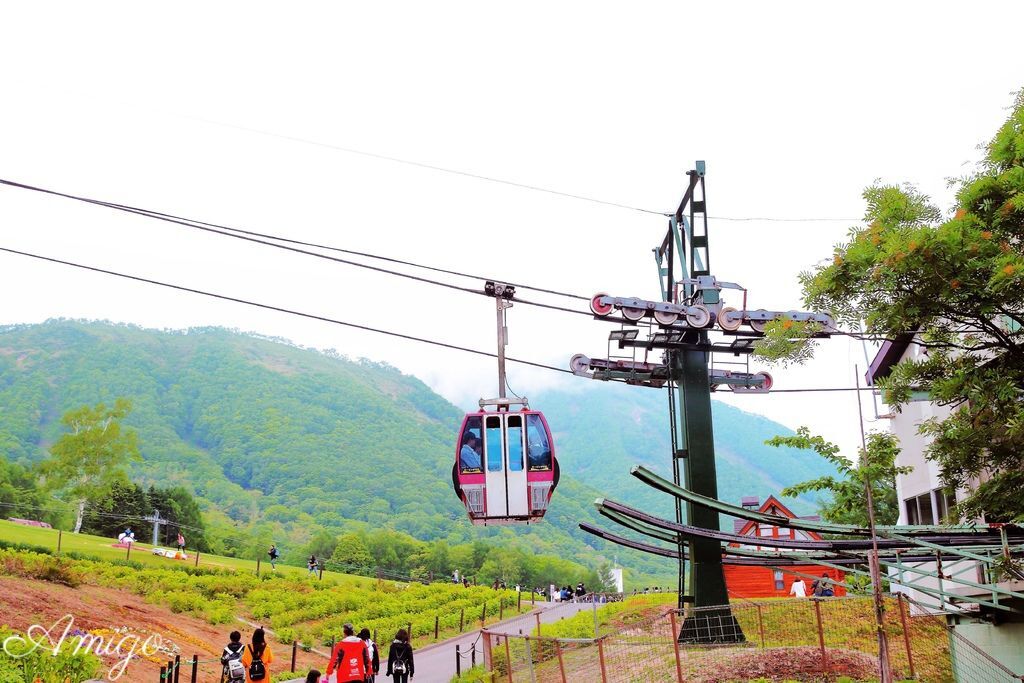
436	663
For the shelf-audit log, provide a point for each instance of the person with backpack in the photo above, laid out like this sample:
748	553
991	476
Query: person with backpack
311	565
400	663
231	659
273	556
257	658
371	647
350	657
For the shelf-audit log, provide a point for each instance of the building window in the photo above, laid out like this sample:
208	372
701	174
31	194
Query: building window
780	583
945	500
919	509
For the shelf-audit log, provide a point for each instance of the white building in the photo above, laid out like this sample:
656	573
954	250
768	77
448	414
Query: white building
923	500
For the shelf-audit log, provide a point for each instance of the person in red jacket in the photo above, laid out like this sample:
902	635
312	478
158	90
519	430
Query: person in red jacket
350	657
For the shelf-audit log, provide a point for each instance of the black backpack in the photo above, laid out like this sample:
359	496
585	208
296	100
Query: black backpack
257	670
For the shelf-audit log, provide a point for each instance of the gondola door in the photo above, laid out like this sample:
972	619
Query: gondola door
496	489
515	470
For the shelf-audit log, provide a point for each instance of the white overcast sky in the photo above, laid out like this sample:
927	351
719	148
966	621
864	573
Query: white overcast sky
795	106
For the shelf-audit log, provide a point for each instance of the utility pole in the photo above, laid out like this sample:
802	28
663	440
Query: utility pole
885	668
157	520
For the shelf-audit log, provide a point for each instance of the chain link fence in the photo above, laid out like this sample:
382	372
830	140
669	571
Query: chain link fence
789	639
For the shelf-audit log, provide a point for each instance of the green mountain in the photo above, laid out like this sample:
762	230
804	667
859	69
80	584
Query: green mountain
605	429
288	441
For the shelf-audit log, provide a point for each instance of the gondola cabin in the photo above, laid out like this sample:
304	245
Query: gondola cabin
505	469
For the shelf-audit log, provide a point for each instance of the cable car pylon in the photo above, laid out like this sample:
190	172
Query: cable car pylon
678	326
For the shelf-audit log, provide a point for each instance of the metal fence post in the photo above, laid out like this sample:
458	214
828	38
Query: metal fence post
821	636
59	535
128	555
197	558
675	646
458	661
600	655
594	609
195	668
483	614
537	616
760	623
177	667
906	634
561	662
501	609
257	566
295	649
437	624
519	601
163	673
529	660
508	660
410	631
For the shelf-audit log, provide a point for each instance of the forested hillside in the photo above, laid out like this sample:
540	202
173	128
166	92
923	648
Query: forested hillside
280	443
603	429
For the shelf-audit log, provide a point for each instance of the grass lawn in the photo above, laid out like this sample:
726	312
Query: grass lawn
101	548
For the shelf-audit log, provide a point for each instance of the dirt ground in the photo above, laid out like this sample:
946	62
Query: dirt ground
102	610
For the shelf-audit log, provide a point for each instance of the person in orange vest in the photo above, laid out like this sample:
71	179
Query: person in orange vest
350	657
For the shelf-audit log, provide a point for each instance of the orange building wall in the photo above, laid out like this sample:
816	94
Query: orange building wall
744	581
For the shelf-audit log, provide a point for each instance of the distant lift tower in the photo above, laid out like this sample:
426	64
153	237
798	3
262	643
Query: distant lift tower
679	325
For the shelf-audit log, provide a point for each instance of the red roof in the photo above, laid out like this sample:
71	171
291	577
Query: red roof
773	506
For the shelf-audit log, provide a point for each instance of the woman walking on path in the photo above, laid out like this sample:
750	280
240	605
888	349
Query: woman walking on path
371	648
400	662
257	658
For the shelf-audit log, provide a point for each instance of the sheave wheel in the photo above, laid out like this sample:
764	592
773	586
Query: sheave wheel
598	308
727	323
665	317
698	316
759	325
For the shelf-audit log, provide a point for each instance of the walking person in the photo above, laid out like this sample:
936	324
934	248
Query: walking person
273	556
400	662
257	658
231	659
350	658
371	647
181	543
311	565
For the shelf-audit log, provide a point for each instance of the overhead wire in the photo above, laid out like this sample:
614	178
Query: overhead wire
334	321
263	238
501	181
279	309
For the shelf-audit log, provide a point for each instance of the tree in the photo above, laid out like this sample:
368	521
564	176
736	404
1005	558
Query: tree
92	454
957	287
352	551
849	505
605	579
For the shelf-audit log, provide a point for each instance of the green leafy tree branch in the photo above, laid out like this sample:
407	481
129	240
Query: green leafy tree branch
954	289
848	504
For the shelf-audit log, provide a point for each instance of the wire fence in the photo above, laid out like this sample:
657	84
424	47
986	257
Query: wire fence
794	639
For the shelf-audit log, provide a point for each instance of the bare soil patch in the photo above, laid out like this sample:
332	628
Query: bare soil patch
101	610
